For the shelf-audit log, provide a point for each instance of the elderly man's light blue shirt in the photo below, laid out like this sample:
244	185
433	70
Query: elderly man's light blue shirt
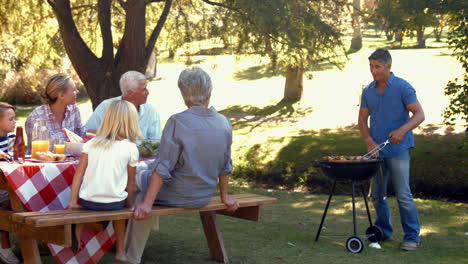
388	112
148	119
195	150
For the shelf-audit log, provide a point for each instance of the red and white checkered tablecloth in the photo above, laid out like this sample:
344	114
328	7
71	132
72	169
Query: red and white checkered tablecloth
46	186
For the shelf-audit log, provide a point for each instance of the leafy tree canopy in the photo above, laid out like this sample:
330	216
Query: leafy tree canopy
457	90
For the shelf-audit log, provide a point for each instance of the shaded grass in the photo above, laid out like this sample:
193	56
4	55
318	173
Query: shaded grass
256	72
287	231
248	116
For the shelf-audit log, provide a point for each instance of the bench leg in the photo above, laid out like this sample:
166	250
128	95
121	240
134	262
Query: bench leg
213	236
29	250
5	238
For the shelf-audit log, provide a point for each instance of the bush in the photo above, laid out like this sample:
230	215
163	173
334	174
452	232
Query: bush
21	88
24	87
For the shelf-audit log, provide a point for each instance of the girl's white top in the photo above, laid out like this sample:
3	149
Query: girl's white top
105	178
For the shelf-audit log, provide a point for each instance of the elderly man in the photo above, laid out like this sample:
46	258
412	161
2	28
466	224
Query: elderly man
387	101
194	156
133	88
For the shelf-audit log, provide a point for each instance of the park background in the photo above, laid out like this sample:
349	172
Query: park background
277	141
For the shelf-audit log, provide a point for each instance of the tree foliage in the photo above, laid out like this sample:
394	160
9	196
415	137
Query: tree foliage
28	35
407	15
296	35
457	89
104	38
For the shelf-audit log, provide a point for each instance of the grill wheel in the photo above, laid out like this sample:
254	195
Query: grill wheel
354	244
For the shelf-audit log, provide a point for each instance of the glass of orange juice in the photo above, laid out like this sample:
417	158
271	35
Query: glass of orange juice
59	146
39	146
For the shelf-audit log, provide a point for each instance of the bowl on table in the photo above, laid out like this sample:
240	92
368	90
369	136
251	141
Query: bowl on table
74	148
148	147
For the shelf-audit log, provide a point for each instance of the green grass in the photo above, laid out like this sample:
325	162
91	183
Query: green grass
287	230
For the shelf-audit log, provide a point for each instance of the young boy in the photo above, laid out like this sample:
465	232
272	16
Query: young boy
7	126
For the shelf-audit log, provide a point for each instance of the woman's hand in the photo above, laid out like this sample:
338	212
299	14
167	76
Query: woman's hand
74	206
231	203
141	211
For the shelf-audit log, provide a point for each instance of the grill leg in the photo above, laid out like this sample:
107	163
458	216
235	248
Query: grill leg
354	209
325	212
367	206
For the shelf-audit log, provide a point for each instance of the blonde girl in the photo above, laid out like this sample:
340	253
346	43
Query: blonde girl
104	178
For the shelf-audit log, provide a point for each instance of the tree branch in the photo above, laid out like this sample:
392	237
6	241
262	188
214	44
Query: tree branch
123	4
79	53
51	3
221	5
154	1
157	30
104	16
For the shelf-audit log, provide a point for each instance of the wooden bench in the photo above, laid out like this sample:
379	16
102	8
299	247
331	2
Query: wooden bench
55	226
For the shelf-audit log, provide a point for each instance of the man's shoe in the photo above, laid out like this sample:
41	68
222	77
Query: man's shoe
7	256
410	246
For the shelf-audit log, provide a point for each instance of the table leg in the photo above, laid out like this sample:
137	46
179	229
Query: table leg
213	236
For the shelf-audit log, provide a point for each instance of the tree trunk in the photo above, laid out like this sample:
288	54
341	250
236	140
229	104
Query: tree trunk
294	84
151	70
271	54
438	33
389	35
356	41
420	37
100	76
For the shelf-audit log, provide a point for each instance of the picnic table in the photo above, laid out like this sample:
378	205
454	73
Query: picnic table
41	187
39	193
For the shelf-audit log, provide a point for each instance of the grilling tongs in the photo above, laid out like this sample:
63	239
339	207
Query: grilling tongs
368	155
375	150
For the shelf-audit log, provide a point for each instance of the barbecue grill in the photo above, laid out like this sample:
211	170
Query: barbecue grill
356	172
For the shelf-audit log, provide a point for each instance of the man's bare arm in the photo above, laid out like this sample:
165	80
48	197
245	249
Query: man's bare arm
416	119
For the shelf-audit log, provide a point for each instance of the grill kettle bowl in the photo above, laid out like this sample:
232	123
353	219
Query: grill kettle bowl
350	170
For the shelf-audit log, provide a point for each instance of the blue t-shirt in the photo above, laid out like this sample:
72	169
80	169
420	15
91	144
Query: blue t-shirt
388	112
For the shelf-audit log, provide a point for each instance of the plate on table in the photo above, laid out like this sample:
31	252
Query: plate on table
49	161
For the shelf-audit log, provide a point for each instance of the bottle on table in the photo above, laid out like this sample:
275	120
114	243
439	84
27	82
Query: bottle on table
40	138
19	147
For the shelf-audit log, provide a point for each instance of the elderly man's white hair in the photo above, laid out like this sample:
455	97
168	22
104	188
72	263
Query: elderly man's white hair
195	86
129	81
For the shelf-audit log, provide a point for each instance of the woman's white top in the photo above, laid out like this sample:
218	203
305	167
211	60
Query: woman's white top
105	178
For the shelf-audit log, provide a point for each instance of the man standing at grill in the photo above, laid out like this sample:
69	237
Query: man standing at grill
387	101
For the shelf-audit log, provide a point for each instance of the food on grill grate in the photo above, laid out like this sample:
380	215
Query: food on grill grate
343	158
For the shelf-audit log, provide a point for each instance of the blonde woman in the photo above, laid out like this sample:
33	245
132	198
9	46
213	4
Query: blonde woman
59	109
104	178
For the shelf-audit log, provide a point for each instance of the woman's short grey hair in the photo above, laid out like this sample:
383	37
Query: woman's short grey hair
195	86
381	55
130	80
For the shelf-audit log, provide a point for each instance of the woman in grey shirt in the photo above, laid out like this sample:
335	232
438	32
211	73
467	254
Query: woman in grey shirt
194	156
